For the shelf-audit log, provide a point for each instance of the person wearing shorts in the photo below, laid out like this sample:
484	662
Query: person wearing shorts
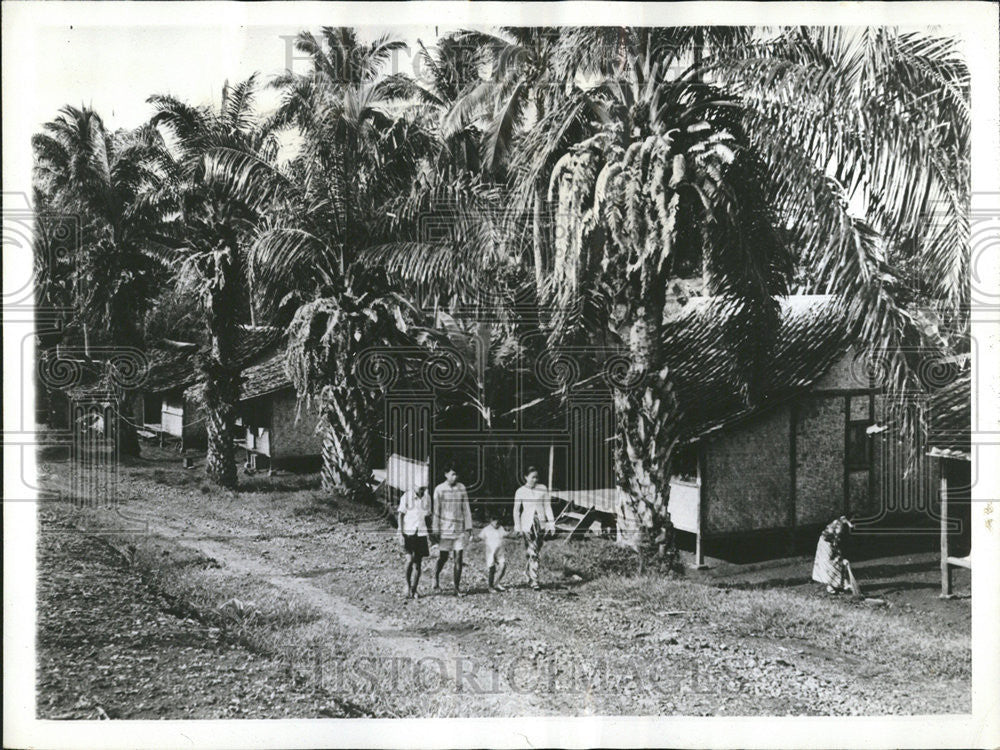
414	507
496	564
452	521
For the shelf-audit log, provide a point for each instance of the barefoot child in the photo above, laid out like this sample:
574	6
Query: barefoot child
452	524
496	564
414	507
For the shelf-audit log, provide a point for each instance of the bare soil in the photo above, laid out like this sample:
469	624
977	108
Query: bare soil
324	588
110	646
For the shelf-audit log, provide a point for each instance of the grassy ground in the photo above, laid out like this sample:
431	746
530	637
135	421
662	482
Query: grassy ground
314	594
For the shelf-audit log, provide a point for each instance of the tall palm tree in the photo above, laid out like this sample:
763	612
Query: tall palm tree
360	149
521	86
750	171
107	180
357	149
448	71
678	173
442	236
224	181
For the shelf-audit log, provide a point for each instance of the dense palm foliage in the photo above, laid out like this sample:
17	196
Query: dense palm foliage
359	150
104	181
866	135
522	79
585	173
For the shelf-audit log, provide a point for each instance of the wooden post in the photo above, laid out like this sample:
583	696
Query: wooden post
699	551
872	454
552	463
847	466
945	567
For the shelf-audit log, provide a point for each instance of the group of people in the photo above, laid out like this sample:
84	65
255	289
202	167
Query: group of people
451	529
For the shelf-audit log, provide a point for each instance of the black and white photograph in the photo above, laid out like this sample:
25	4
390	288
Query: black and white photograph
608	375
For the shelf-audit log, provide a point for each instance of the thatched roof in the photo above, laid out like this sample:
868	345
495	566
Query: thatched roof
705	375
809	339
265	377
172	369
174	365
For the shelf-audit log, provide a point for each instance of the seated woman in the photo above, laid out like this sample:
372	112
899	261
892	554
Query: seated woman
830	566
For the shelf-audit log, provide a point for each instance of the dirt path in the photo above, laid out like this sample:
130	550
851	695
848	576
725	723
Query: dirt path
388	635
596	643
109	647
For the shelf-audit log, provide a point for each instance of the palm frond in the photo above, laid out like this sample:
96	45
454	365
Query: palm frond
499	134
473	105
280	257
238	104
245	176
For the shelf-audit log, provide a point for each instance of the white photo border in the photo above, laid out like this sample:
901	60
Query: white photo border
976	21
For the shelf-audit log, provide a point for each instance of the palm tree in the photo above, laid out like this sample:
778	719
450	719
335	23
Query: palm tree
522	84
106	180
224	181
443	237
631	203
449	71
762	160
868	131
333	341
359	150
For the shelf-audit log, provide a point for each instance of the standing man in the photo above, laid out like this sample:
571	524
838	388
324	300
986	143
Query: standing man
452	522
414	507
532	506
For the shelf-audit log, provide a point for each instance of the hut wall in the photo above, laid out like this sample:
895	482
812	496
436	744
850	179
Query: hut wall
747	482
293	430
819	486
172	414
849	372
195	429
748	473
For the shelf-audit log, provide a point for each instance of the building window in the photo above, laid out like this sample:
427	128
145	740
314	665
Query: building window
685	463
859	448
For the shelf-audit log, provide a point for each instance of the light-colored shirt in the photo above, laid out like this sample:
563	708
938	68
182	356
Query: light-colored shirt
452	513
415	511
493	537
535	501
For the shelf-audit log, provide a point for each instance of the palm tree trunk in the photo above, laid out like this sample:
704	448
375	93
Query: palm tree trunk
347	445
124	330
647	425
537	240
128	436
221	373
221	395
537	230
329	476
